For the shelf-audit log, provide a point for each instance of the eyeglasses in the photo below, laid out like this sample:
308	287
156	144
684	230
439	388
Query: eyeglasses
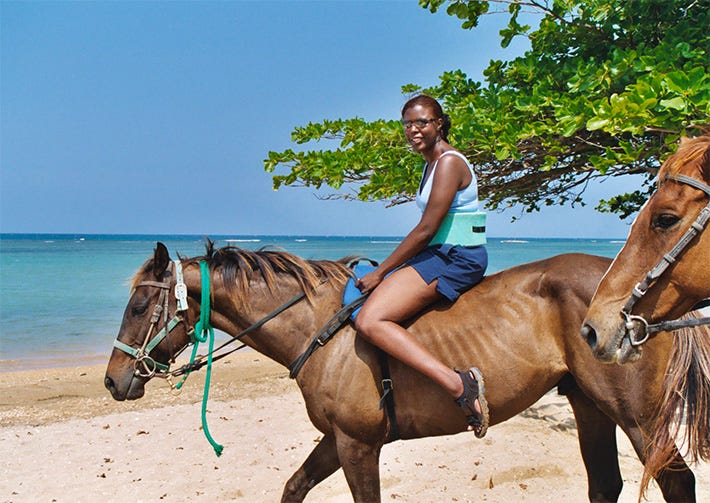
418	123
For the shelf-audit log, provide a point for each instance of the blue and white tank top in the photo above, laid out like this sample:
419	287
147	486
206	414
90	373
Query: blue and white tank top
465	200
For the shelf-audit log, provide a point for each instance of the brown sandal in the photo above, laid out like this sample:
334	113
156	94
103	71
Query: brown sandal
474	389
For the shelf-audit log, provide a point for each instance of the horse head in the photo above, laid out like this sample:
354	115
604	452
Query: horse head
248	288
155	327
663	270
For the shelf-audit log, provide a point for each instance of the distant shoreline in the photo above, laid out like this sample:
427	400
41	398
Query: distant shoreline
63	295
262	237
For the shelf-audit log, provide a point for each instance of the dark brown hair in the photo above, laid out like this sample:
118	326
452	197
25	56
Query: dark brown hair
428	101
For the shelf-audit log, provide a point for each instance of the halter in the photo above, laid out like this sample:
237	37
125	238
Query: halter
641	289
145	365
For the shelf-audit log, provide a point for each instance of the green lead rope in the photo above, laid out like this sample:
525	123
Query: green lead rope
203	332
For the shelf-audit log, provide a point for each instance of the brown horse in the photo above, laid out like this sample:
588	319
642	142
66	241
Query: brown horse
668	247
520	327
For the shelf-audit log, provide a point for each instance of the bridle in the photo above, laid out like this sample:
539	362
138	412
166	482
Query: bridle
696	228
145	366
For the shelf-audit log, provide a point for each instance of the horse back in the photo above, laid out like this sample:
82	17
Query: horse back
515	326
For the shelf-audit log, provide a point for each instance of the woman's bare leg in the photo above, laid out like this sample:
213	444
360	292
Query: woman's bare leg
399	297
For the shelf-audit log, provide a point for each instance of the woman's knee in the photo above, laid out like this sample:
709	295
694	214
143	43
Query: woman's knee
361	324
365	323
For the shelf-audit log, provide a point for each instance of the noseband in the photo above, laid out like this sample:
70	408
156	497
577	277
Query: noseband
696	228
145	366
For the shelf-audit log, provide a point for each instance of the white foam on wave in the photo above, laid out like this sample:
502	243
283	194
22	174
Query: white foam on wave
514	241
243	240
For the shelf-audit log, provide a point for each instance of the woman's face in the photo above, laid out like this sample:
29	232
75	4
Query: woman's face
421	128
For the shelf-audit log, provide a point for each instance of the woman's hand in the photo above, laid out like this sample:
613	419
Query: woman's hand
369	281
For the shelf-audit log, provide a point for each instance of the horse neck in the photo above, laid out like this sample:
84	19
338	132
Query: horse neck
283	337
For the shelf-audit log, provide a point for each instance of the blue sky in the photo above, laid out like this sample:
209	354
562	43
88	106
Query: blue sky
155	117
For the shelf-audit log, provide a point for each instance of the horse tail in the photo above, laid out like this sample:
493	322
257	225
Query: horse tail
684	411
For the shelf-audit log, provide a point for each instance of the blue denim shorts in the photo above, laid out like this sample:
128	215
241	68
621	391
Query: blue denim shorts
458	268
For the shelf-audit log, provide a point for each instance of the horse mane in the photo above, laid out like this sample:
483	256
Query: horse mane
691	151
684	411
239	267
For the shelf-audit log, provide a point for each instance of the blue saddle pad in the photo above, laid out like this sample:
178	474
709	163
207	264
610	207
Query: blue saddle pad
352	292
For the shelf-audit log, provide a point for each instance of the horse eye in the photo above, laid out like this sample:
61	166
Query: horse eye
665	221
139	309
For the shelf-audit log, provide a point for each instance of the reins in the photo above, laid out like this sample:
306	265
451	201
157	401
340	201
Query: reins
325	334
147	367
201	360
203	331
668	259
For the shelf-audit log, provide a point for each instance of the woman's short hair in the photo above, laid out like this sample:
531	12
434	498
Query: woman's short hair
428	101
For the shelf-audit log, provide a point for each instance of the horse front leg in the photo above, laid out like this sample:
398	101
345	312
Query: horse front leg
360	462
321	463
597	441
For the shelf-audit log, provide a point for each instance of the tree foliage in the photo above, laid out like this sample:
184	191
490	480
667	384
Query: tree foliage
606	89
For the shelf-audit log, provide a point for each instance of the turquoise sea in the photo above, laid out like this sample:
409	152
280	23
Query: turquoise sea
62	296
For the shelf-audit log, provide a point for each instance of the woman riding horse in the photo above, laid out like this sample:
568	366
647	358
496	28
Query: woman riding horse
442	257
521	325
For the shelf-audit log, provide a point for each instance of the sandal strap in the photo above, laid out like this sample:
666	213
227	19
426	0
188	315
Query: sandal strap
470	389
473	390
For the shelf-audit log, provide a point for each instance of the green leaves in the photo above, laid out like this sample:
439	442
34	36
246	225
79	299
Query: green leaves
468	11
607	89
369	156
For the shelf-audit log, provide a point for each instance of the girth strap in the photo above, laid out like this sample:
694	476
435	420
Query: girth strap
387	399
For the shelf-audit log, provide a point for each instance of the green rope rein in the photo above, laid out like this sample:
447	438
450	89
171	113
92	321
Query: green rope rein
203	332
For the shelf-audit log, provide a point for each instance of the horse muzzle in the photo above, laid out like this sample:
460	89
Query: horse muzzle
615	348
128	386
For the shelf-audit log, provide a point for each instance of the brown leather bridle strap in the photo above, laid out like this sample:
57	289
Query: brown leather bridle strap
668	259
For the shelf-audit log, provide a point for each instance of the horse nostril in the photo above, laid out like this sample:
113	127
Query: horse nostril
590	335
108	382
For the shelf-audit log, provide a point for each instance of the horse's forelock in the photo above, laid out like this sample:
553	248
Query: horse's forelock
141	274
692	153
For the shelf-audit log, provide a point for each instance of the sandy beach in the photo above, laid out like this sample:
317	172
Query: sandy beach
63	438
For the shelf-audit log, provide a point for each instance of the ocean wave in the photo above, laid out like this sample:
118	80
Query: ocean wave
243	240
514	241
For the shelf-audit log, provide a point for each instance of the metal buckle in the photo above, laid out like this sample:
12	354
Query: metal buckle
637	292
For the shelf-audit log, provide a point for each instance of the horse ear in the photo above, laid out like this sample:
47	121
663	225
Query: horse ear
161	259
